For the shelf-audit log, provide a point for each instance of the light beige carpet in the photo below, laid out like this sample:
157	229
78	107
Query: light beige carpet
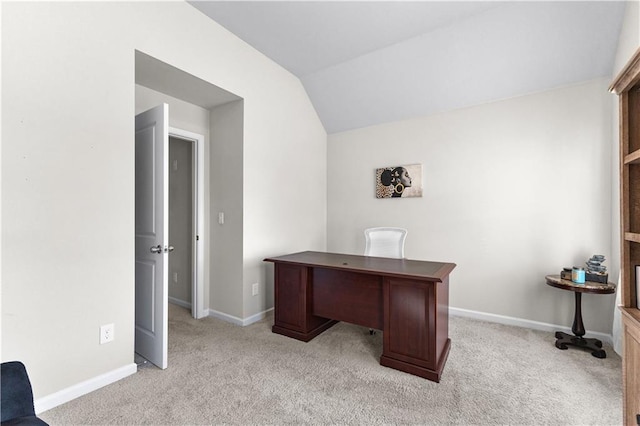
224	374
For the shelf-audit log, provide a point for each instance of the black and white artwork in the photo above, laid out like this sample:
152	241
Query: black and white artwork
399	181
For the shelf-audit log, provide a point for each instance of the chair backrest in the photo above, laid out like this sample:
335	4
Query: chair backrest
385	242
16	393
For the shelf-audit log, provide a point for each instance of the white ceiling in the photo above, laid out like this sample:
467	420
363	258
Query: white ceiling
369	62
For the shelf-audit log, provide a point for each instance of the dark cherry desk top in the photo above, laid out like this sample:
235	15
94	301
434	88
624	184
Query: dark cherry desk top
404	268
587	287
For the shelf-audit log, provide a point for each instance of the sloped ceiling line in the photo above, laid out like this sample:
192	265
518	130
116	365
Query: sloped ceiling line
366	63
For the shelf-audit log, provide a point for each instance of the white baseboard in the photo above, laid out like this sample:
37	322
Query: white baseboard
179	302
239	321
480	316
519	322
65	395
50	401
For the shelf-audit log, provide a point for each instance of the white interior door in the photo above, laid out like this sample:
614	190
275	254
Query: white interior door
152	233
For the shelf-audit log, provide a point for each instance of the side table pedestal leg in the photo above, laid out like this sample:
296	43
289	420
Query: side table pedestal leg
564	339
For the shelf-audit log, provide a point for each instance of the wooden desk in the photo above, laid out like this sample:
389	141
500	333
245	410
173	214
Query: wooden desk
407	299
577	340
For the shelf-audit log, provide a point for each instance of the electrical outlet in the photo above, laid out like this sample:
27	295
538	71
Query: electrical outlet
255	289
175	277
106	333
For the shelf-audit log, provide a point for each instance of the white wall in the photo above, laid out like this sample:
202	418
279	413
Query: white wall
68	105
227	197
513	191
629	36
285	186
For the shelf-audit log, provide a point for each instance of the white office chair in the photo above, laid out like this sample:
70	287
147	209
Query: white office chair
385	242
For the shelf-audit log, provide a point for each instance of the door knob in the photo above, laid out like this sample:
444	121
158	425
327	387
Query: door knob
156	249
169	249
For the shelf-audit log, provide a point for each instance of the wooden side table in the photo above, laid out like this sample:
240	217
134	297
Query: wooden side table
564	339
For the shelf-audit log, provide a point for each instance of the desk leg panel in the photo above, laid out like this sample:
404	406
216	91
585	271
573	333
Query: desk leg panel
293	310
417	370
409	321
442	317
416	318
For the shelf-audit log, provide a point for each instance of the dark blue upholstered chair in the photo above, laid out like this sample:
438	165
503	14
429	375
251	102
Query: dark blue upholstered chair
16	396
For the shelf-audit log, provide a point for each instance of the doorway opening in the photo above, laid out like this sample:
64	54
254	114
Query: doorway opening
169	220
186	220
157	82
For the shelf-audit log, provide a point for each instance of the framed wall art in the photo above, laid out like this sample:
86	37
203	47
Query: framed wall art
399	181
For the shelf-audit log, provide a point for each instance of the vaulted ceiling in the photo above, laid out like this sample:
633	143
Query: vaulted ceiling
364	63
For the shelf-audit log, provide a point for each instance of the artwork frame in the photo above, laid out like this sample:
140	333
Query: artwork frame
403	181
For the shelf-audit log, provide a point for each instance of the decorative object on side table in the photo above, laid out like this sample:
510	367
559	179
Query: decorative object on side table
597	272
577	340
